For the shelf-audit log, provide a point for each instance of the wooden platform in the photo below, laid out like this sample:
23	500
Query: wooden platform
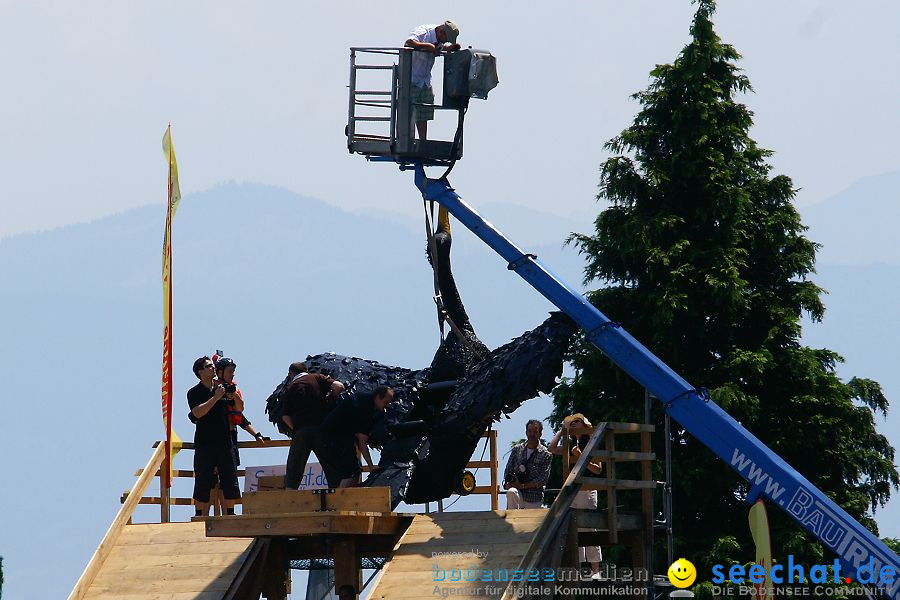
175	561
457	541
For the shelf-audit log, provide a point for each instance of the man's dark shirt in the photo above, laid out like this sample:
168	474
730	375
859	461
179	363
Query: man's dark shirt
351	417
305	400
212	427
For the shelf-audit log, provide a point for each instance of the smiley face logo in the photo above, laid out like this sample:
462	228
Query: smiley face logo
682	573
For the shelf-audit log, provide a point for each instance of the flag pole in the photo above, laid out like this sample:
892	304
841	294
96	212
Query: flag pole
166	470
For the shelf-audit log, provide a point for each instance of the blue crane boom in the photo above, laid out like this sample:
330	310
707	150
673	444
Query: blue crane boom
768	474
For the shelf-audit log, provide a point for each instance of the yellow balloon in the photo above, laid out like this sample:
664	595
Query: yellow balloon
682	573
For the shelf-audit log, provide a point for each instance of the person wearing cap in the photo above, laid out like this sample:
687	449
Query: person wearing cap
212	439
225	368
579	428
527	470
429	41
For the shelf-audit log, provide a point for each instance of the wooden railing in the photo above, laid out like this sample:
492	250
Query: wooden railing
164	502
558	533
123	517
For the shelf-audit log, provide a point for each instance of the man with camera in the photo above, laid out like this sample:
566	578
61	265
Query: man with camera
309	397
528	469
212	438
225	368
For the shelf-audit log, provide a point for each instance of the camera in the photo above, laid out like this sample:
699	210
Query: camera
230	388
521	474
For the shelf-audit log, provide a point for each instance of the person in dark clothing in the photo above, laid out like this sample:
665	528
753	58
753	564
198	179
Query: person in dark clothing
346	429
308	399
212	439
225	368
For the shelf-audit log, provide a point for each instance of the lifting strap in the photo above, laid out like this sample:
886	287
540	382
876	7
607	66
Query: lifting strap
443	224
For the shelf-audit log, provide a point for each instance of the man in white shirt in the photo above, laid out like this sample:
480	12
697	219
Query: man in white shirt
429	40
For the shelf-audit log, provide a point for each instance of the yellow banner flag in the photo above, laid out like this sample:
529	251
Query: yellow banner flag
759	529
173	442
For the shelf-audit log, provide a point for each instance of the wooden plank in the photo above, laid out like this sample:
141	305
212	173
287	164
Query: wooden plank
481	515
280	501
495	466
158	500
133	586
486	527
369	499
304	524
219	546
254	444
611	503
128	564
409	573
270	482
374	499
119	522
105	595
190	577
155	533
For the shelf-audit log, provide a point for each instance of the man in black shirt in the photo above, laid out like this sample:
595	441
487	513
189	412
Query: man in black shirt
212	439
346	429
307	400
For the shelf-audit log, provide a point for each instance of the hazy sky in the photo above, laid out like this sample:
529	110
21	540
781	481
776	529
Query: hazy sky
257	92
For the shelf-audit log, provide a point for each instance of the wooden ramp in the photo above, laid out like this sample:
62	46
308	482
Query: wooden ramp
436	545
175	561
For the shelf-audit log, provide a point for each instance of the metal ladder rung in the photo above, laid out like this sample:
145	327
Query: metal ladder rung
371	93
371	118
374	67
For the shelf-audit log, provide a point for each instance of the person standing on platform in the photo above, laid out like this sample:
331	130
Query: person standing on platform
212	439
429	41
580	429
527	470
308	399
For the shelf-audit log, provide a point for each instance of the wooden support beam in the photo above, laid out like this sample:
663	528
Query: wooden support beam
277	578
611	508
494	467
346	564
647	507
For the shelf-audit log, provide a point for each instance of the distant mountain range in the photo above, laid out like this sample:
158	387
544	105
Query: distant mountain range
859	225
270	276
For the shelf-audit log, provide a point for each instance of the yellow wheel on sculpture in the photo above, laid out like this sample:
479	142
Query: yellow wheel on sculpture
465	483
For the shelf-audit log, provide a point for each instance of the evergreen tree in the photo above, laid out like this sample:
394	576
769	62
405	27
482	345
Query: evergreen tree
703	259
